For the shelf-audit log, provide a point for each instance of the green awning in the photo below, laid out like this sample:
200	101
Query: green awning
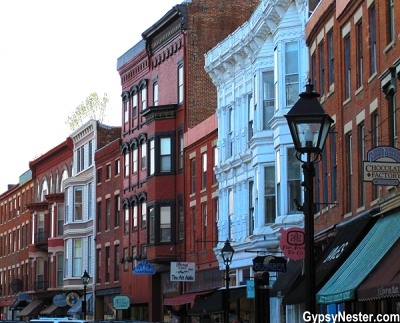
344	282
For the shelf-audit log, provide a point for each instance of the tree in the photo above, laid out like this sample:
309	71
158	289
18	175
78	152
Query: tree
93	107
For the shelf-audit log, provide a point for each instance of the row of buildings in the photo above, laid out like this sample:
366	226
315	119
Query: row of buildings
204	155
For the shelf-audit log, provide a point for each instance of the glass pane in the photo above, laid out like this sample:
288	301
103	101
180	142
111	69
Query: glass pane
165	146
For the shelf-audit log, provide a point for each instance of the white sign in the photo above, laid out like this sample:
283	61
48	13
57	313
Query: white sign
382	166
182	272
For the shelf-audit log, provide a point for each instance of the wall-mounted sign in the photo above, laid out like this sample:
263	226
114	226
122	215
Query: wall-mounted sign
182	271
269	263
292	243
144	268
72	298
121	302
250	293
382	166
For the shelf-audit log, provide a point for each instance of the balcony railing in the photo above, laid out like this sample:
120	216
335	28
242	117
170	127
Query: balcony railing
41	237
40	286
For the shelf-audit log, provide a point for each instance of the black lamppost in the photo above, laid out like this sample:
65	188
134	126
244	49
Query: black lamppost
227	254
85	281
309	125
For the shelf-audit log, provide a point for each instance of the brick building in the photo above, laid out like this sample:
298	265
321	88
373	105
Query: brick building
163	94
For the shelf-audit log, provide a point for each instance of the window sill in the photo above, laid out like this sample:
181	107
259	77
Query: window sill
346	101
359	90
372	77
389	47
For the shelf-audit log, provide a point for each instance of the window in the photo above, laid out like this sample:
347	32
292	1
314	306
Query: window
331	69
99	216
251	208
126	263
231	137
372	38
134	106
134	160
166	154
349	155
359	54
134	217
117	209
269	182
77	258
192	176
180	84
361	149
294	180
250	112
39	274
375	143
134	255
215	157
126	163
99	175
143	94
204	225
60	219
89	253
204	171
143	155
126	110
230	214
392	120
90	152
291	73
144	215
152	225
321	67
108	264
126	219
390	20
108	171
180	143
60	270
268	98
108	214
151	157
90	198
333	164
116	263
155	94
98	265
347	66
117	167
165	224
78	192
80	159
181	224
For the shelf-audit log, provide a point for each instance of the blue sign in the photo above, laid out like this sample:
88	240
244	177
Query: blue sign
250	289
144	268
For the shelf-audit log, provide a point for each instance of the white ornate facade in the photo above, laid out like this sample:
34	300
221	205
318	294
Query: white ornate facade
259	71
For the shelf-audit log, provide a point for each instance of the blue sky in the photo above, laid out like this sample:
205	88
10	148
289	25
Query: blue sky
53	54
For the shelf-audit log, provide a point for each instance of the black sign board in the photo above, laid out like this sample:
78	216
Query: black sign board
269	263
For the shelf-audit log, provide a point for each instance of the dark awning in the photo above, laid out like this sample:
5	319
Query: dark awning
384	281
23	299
184	298
214	302
349	234
32	309
55	310
77	308
343	284
286	280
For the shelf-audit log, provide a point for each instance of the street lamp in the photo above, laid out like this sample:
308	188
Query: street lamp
227	254
309	126
85	281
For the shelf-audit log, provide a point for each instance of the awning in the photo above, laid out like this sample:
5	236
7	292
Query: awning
214	302
55	310
349	234
286	280
32	309
184	298
384	281
344	282
77	308
23	299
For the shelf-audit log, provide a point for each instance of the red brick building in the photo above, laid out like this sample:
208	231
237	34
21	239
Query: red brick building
165	91
355	65
14	240
110	259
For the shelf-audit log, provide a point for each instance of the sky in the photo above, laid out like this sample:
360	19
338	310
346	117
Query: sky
54	54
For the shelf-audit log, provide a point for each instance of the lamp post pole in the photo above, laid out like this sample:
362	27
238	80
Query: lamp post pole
309	126
85	281
227	254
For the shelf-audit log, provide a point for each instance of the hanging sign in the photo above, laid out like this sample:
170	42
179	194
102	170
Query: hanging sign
182	272
382	166
144	268
292	243
269	263
121	302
